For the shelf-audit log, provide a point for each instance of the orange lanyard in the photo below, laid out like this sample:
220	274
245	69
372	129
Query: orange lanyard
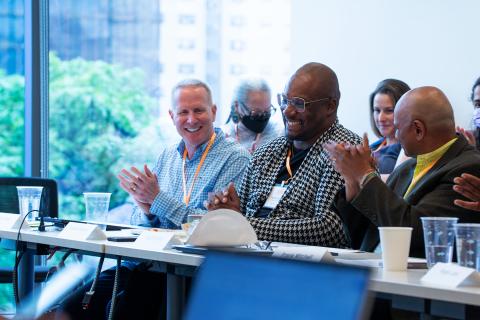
186	196
383	144
289	170
254	142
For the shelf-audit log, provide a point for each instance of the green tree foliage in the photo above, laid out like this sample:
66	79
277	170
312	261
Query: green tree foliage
11	124
96	111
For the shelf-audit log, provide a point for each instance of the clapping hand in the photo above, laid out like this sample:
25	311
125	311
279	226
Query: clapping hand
142	186
468	135
468	186
353	162
226	199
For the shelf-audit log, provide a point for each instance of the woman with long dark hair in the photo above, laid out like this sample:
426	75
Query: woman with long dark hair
382	104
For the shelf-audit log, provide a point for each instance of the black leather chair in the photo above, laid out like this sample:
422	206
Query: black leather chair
9	203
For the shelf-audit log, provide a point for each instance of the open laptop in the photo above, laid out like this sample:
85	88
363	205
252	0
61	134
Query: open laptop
235	286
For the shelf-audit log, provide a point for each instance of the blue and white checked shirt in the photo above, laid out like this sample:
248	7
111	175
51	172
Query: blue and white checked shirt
225	162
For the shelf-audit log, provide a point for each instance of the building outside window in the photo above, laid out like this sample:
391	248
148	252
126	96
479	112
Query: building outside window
112	65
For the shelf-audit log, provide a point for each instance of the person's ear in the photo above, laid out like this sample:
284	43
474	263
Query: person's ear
420	129
332	106
214	112
170	112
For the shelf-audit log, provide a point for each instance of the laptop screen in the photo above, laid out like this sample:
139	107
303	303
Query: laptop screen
233	286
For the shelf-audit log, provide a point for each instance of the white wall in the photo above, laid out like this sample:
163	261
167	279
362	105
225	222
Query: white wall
422	42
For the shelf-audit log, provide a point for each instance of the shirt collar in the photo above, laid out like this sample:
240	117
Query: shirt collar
326	136
425	159
201	149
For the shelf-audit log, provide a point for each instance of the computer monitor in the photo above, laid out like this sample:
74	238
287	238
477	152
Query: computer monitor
9	196
234	286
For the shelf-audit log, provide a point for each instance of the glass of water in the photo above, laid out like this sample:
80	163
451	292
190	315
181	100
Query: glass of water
192	221
96	207
439	235
468	245
28	200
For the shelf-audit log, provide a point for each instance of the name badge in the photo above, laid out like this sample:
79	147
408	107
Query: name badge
275	196
451	275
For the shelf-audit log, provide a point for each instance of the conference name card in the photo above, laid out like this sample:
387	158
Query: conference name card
157	240
307	253
451	275
82	231
12	221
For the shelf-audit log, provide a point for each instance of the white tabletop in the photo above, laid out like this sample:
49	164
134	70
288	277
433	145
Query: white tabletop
397	283
408	284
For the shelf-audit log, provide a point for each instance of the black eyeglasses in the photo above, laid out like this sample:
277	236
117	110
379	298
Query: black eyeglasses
249	111
297	102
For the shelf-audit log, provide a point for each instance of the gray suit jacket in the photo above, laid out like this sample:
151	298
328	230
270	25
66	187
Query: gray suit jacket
380	204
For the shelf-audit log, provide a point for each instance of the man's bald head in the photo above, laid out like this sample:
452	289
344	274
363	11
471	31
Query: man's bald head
322	79
317	85
424	120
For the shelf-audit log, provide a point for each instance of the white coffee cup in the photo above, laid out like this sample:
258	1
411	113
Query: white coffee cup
395	243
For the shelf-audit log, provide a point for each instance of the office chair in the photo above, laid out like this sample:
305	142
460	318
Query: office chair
9	203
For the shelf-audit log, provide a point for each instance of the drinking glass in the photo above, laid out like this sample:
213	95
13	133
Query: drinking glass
28	200
439	235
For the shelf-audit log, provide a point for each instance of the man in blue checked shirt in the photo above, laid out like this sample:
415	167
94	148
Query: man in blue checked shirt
202	162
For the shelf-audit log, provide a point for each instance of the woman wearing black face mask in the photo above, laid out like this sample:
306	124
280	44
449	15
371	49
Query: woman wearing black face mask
250	122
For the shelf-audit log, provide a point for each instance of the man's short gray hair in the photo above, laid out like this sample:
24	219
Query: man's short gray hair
188	83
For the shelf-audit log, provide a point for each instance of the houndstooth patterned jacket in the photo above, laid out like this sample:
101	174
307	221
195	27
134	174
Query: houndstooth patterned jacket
303	214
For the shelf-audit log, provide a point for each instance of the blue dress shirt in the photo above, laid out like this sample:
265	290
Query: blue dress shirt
225	163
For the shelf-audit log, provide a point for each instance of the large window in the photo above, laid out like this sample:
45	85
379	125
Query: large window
113	64
12	85
103	80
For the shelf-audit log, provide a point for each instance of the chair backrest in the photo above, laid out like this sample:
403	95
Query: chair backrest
9	196
233	286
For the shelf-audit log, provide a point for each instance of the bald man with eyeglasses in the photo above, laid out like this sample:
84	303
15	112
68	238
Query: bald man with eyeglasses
290	183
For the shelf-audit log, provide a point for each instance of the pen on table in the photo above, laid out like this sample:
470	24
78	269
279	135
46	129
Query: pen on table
267	246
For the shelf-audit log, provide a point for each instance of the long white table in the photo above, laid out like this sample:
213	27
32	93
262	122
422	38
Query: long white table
404	288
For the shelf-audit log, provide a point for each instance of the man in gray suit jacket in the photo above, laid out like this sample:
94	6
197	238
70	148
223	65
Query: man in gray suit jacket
420	187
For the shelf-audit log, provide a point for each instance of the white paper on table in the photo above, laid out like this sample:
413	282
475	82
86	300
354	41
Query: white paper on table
82	231
366	259
222	228
307	253
12	221
157	240
451	275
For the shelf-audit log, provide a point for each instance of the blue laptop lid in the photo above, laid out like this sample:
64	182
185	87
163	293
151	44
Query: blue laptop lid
235	286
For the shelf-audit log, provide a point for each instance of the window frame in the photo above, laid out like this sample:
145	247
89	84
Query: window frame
36	88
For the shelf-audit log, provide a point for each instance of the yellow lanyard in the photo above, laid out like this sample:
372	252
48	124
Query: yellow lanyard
186	196
289	170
